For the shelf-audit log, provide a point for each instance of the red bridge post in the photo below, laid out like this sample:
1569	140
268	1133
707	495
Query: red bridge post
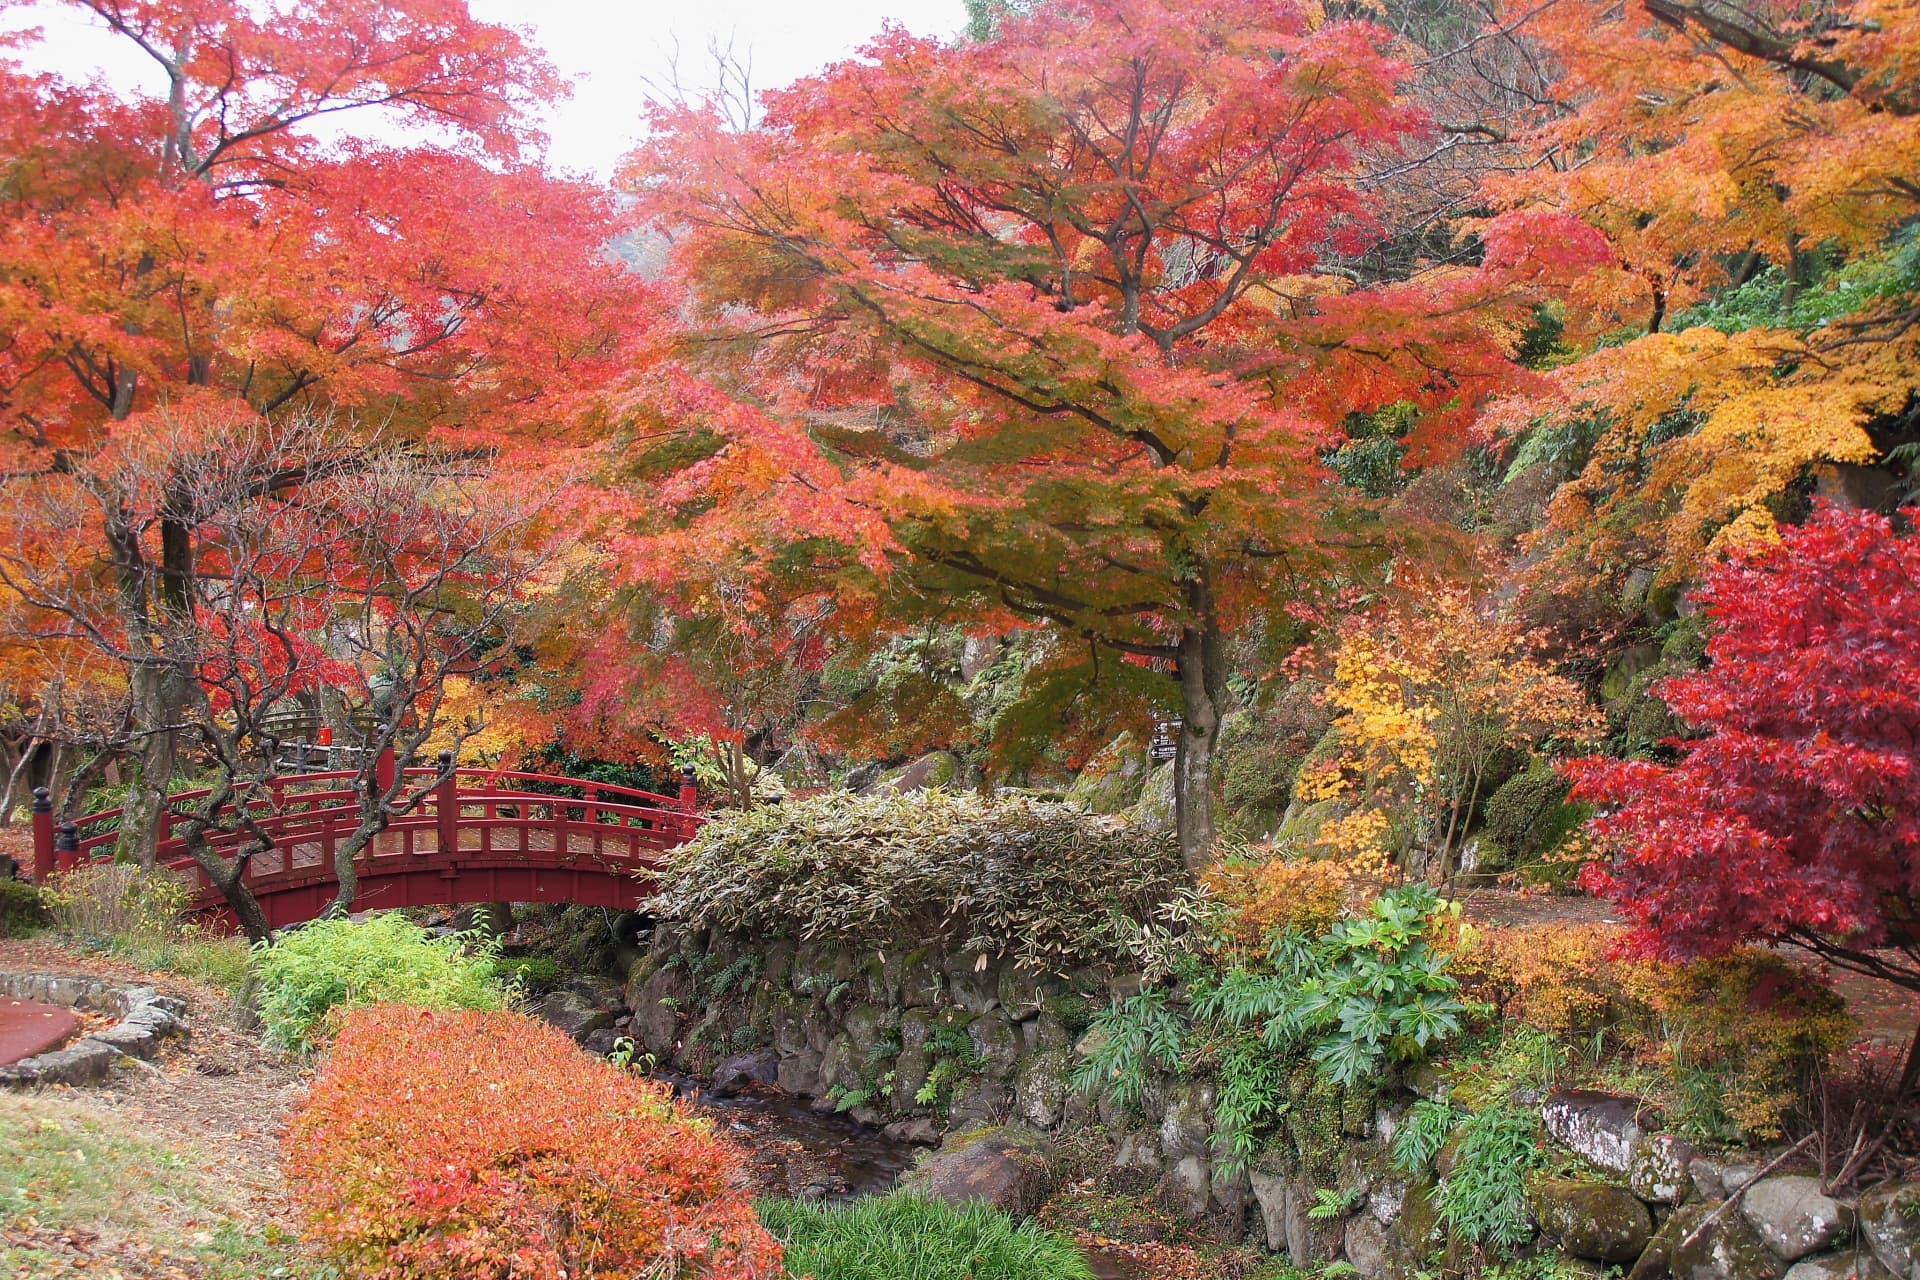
42	835
446	804
383	770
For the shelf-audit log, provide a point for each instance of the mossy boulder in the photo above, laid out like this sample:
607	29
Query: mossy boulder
1259	756
1728	1248
937	770
1890	1221
1010	1168
1590	1219
1528	819
1154	810
1111	780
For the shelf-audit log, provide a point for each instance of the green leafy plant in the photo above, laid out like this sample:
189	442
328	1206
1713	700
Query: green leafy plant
1128	1039
343	964
626	1055
1484	1197
1329	1204
1251	1097
1419	1137
1370	990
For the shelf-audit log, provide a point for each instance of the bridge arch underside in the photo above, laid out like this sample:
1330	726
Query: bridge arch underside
380	889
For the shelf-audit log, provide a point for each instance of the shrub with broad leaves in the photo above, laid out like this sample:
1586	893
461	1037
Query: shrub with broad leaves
452	1145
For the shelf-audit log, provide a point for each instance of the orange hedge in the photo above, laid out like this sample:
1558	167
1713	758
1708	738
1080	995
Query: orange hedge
487	1146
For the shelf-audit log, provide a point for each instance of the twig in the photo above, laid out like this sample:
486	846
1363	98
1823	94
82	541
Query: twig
1733	1197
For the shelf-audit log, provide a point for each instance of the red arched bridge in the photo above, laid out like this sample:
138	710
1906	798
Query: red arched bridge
481	835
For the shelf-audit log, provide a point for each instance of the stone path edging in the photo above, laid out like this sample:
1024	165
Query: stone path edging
147	1018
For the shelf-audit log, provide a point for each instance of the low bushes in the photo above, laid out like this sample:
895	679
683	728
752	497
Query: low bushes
23	908
336	965
468	1144
141	915
1264	896
1730	1045
907	1237
106	902
1034	880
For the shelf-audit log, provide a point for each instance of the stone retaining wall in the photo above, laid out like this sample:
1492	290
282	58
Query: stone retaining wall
929	1044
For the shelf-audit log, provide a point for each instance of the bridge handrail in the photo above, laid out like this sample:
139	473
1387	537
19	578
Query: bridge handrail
552	779
623	803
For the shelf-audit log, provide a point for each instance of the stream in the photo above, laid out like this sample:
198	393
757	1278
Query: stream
812	1155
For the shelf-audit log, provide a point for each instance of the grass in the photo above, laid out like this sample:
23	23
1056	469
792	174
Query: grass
906	1237
83	1193
218	962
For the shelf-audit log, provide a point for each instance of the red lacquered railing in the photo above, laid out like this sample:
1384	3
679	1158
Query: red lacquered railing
478	835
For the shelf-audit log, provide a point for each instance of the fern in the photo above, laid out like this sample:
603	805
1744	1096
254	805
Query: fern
1251	1099
1131	1038
1422	1134
1330	1204
1484	1198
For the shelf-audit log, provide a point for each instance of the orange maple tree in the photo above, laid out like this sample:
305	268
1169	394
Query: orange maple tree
1057	325
1757	169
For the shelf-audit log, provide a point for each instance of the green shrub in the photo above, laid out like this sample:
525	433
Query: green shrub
1034	880
22	909
531	973
344	964
1371	990
906	1237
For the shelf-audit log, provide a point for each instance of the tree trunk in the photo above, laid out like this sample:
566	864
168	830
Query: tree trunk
157	702
230	878
344	854
1202	671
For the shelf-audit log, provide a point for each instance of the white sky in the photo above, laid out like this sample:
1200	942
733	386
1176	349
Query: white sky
611	46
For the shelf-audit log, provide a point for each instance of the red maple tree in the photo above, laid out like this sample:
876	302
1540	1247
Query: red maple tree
1794	816
250	238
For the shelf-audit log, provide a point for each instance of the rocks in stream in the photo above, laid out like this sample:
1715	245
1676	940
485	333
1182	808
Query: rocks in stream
1010	1168
744	1071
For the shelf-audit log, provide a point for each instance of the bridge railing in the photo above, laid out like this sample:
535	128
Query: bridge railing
467	817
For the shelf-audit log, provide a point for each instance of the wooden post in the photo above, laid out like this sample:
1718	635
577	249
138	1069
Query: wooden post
66	846
446	804
688	803
42	835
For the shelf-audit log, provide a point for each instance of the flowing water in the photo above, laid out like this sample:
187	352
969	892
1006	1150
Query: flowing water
800	1152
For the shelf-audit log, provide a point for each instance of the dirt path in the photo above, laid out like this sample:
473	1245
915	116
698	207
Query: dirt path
1885	1012
216	1102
